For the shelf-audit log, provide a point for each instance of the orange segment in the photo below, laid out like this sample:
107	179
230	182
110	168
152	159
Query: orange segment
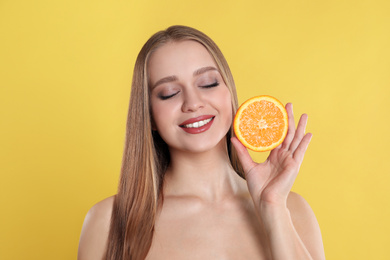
261	123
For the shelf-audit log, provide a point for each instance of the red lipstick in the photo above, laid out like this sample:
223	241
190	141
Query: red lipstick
196	128
196	119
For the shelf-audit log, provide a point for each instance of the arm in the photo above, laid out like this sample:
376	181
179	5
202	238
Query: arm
94	234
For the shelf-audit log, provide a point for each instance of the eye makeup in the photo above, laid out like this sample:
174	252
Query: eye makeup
215	84
166	92
207	80
165	97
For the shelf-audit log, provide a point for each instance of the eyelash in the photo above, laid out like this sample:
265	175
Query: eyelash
215	84
167	97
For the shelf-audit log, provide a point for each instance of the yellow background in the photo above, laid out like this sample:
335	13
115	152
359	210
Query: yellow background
65	73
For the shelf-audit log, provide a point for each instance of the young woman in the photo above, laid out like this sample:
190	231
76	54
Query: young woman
188	188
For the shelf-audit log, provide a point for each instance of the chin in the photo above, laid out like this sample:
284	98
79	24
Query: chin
203	147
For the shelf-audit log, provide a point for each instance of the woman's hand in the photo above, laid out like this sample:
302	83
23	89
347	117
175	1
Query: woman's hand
270	182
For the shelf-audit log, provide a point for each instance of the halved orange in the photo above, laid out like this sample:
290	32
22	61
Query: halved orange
261	123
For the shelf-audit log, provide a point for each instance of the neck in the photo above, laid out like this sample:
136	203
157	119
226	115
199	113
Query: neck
207	175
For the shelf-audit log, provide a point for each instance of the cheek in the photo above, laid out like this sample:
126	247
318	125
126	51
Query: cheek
226	106
162	113
157	118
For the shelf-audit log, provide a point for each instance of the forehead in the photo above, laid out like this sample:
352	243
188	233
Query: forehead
178	59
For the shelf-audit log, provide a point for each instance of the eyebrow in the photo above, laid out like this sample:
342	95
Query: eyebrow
165	80
174	78
203	70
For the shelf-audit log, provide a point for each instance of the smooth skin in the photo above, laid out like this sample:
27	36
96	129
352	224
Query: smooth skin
209	212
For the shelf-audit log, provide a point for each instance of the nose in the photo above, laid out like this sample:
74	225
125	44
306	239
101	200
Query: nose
192	101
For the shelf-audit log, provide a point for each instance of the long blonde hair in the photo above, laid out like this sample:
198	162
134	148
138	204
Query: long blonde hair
146	155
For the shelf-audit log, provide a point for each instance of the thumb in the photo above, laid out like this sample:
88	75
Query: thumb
243	155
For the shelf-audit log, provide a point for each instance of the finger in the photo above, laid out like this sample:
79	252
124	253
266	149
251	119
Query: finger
299	133
243	155
291	127
302	147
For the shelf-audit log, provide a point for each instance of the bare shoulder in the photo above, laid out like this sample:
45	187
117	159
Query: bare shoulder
94	234
306	224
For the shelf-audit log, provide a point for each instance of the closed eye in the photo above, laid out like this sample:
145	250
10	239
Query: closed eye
167	97
215	84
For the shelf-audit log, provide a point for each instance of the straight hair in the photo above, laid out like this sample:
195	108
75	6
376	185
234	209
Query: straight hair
146	156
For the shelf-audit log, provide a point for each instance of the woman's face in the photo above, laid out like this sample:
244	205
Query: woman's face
190	103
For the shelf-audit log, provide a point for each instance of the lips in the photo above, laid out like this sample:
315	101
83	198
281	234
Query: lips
198	124
196	119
